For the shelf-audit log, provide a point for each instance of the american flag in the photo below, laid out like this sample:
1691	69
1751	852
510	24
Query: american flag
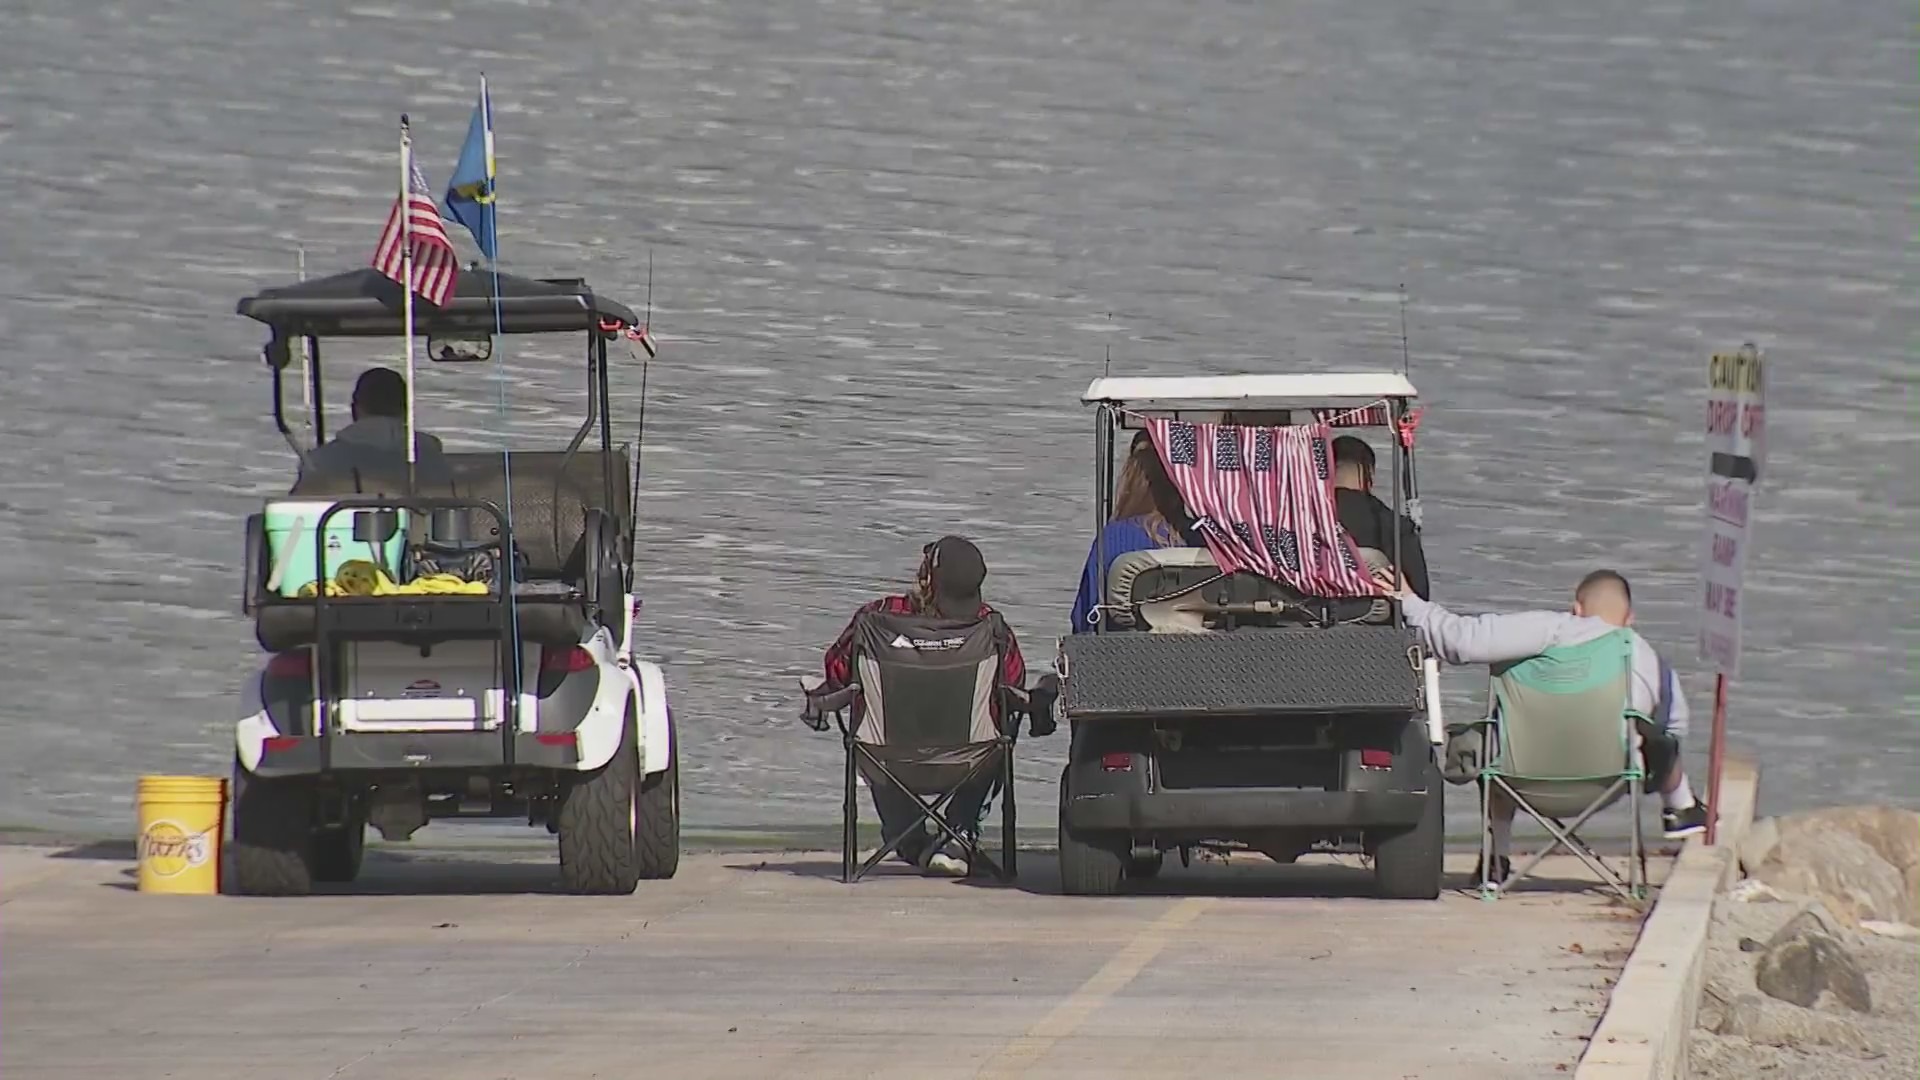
1263	500
435	266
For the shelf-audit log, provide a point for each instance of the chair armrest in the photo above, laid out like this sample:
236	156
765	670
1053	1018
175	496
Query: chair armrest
820	703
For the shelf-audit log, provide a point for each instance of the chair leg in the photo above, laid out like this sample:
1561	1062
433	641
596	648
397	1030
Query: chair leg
1487	889
1567	836
928	813
1637	856
849	820
1009	842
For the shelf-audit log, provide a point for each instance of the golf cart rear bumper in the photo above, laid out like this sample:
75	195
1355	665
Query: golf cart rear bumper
1166	811
399	751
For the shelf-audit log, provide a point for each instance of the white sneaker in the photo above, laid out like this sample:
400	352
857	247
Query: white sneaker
946	865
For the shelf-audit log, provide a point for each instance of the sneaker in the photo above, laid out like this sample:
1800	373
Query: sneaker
1683	823
1502	868
946	865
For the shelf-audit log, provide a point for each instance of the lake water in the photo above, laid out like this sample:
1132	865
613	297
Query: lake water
891	243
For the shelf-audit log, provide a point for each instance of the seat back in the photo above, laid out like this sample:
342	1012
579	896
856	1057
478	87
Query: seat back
1565	723
927	682
1170	590
1139	576
551	493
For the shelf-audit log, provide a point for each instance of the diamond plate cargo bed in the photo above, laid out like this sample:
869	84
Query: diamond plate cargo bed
1343	669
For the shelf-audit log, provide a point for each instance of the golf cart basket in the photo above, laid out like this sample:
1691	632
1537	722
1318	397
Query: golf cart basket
558	523
1281	652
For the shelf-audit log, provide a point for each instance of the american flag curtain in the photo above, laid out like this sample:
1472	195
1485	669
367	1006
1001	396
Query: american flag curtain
1263	500
435	266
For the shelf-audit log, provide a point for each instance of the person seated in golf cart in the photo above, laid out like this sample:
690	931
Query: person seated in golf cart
1602	604
1148	514
1368	520
947	585
371	452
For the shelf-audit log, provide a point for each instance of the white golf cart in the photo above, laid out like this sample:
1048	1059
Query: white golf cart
516	695
1230	712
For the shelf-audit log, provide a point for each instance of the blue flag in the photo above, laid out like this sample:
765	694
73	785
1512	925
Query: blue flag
470	189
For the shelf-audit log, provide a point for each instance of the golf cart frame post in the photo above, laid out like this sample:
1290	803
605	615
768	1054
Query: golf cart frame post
1114	399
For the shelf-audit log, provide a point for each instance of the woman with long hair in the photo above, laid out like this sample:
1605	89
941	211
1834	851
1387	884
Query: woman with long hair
1148	514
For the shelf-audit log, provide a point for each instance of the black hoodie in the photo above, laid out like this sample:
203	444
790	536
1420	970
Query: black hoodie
1370	522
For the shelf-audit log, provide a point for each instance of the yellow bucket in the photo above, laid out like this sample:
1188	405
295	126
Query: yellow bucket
180	824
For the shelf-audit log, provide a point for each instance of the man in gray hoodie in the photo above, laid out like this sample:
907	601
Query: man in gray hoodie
1602	603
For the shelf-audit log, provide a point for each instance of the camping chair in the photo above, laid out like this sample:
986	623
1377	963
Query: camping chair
925	694
1563	743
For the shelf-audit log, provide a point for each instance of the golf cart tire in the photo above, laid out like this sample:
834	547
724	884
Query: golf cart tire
599	853
1087	868
1408	864
1146	869
658	820
272	849
338	853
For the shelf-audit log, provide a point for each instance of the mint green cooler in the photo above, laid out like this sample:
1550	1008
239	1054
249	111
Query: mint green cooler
292	528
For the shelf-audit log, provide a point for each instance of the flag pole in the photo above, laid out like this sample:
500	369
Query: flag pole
406	288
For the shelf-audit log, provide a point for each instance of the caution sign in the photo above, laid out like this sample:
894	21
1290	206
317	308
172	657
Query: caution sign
1736	453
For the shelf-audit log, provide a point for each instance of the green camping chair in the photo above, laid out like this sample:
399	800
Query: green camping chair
1560	742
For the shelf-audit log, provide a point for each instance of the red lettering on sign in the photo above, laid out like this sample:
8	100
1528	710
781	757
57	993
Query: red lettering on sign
1725	549
1721	416
1751	418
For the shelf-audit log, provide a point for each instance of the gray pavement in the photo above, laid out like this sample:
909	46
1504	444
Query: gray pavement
751	965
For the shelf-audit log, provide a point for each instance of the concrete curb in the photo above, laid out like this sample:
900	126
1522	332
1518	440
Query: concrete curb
1649	1017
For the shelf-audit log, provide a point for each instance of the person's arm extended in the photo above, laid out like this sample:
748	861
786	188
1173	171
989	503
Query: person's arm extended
1483	639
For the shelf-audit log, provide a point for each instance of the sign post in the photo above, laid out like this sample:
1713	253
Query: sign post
1736	449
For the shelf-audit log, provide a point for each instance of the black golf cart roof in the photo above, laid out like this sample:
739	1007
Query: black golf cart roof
367	303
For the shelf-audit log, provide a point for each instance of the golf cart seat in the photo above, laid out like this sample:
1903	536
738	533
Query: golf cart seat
1173	590
569	532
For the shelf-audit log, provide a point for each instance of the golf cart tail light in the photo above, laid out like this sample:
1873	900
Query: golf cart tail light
556	738
1117	762
275	743
295	664
1376	759
567	661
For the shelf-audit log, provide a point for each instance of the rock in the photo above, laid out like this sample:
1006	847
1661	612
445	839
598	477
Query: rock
1810	917
1759	841
1799	968
1892	833
1748	944
1897	931
1839	869
1770	1023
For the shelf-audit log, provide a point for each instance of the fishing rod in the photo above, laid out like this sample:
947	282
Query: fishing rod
1406	369
640	433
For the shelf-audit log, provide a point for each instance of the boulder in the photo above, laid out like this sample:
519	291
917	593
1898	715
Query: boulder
1800	967
1818	859
1770	1023
1810	917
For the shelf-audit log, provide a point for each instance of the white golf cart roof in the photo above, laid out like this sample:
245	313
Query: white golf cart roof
1183	393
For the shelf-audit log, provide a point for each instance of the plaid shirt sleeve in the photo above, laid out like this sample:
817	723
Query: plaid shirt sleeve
1013	667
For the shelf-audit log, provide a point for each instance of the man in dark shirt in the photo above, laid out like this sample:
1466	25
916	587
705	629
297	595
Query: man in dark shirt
1368	520
947	586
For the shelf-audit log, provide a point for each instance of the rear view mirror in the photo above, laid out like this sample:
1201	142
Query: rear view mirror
454	350
375	526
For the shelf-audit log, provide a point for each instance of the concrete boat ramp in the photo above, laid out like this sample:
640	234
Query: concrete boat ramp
756	965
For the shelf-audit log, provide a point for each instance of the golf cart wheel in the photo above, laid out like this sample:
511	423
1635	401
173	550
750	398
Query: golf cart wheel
338	853
1087	868
1146	869
272	849
598	815
658	824
1407	865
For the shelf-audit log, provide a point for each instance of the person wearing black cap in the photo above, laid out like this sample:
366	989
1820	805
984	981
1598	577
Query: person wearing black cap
948	586
1367	519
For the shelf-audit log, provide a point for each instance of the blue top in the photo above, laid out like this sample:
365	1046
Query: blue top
1122	537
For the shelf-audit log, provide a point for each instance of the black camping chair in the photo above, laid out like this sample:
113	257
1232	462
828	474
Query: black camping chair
926	690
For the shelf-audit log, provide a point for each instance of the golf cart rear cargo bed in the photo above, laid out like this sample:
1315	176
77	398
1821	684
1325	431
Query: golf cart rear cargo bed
1342	669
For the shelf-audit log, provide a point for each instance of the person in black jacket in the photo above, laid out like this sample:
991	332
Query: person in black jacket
1368	520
